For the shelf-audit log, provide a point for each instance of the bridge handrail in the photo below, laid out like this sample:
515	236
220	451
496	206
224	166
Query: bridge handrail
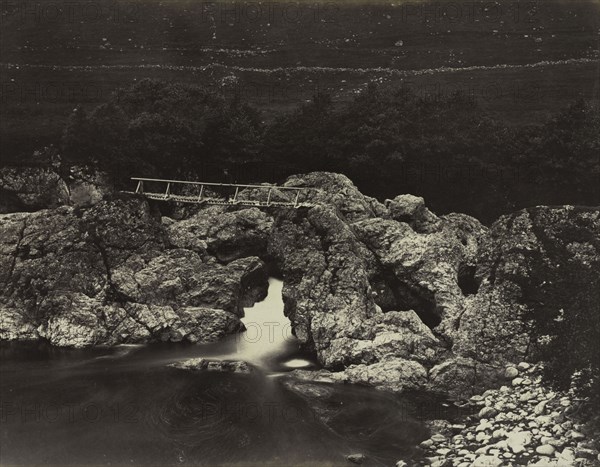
184	182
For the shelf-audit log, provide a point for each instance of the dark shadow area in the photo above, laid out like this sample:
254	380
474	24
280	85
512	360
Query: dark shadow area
466	280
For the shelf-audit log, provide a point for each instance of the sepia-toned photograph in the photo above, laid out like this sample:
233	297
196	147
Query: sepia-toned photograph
304	233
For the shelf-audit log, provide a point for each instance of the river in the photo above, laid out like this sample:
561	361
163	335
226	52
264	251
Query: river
125	405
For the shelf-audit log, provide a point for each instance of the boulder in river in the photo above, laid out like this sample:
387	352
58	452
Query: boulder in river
225	366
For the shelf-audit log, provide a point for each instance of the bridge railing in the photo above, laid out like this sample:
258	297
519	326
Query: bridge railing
202	196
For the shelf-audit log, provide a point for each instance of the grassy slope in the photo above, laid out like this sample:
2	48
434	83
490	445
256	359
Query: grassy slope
97	51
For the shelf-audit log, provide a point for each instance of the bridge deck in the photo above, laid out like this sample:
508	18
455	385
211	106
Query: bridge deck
201	198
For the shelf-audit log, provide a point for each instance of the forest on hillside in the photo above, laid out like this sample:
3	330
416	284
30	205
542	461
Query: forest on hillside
387	140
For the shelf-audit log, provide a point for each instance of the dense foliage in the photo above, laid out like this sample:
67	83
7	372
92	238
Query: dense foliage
387	140
166	130
567	325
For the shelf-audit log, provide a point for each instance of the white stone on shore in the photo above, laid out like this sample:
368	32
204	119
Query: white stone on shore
540	408
545	450
518	440
487	461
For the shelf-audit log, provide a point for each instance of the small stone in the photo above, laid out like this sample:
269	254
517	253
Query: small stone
483	426
518	440
545	450
576	435
511	372
401	464
525	397
583	453
356	458
438	438
568	455
517	381
458	427
426	444
544	420
487	412
557	443
540	408
486	461
523	366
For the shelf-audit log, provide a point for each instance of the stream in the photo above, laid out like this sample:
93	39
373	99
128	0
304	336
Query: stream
125	405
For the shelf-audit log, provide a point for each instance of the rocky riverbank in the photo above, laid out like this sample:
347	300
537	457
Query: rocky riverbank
521	423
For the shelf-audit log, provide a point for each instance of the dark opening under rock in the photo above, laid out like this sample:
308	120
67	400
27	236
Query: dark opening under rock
466	280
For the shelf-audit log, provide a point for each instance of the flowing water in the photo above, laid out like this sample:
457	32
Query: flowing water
125	405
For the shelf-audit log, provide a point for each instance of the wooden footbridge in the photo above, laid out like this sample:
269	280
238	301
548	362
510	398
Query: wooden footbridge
224	193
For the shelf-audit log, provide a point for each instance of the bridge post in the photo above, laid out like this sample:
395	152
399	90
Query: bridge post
296	201
201	191
168	190
269	197
237	188
140	187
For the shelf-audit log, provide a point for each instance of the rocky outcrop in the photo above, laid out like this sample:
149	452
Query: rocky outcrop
109	275
351	264
225	235
390	296
30	189
376	299
535	261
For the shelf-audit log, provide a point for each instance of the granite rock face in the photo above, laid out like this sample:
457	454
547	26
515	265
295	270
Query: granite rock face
109	275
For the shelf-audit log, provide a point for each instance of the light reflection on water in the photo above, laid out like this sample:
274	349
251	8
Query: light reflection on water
126	406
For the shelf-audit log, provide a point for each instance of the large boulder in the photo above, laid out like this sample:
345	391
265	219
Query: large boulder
412	210
426	271
109	275
537	260
31	189
354	271
225	235
368	293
